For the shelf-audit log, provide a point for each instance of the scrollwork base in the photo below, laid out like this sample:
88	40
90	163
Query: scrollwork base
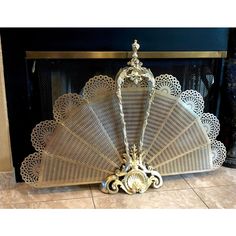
134	177
132	181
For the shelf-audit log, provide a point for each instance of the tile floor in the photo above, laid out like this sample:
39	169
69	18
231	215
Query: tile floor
202	190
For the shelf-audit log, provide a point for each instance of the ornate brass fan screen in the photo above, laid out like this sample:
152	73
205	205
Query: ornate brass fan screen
124	133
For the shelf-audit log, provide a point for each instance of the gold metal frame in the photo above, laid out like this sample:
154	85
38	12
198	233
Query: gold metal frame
122	54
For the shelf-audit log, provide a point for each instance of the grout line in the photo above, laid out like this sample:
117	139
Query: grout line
186	181
92	197
53	200
166	190
201	199
196	193
148	192
214	186
220	185
46	201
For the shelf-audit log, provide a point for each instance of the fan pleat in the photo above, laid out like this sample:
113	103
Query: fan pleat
71	171
191	162
177	133
156	114
179	145
107	111
92	132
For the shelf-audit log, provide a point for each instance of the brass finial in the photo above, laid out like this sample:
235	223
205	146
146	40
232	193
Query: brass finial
135	47
135	61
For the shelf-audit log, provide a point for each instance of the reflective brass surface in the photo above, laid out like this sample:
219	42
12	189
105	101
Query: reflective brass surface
122	54
133	176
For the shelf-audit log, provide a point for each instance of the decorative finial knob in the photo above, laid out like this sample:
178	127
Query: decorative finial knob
135	47
135	61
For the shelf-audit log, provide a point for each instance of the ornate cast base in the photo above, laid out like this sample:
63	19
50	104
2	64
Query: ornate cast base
133	177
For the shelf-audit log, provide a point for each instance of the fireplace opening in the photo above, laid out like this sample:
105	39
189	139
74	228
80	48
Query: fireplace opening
49	79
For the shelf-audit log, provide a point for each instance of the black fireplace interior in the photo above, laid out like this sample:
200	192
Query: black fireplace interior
32	85
49	79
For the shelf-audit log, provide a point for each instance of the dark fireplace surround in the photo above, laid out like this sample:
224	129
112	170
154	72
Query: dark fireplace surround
29	74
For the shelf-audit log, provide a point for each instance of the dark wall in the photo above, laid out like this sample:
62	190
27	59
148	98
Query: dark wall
152	39
118	39
16	41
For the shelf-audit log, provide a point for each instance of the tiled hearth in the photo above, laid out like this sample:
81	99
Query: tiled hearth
203	190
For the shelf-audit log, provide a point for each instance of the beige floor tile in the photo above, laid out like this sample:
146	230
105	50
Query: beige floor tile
161	199
60	204
169	183
217	189
219	196
221	176
174	182
96	192
24	193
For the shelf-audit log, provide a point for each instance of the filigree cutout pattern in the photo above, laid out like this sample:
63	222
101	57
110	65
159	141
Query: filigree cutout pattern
98	86
168	84
30	168
218	153
65	104
193	101
41	134
211	125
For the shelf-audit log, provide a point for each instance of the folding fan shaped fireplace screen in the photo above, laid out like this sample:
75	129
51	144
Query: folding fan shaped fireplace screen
124	133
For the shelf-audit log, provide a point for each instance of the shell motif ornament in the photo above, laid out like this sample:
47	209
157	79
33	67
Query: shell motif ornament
124	133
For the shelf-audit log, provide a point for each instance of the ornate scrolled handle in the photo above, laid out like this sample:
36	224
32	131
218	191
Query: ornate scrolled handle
135	73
